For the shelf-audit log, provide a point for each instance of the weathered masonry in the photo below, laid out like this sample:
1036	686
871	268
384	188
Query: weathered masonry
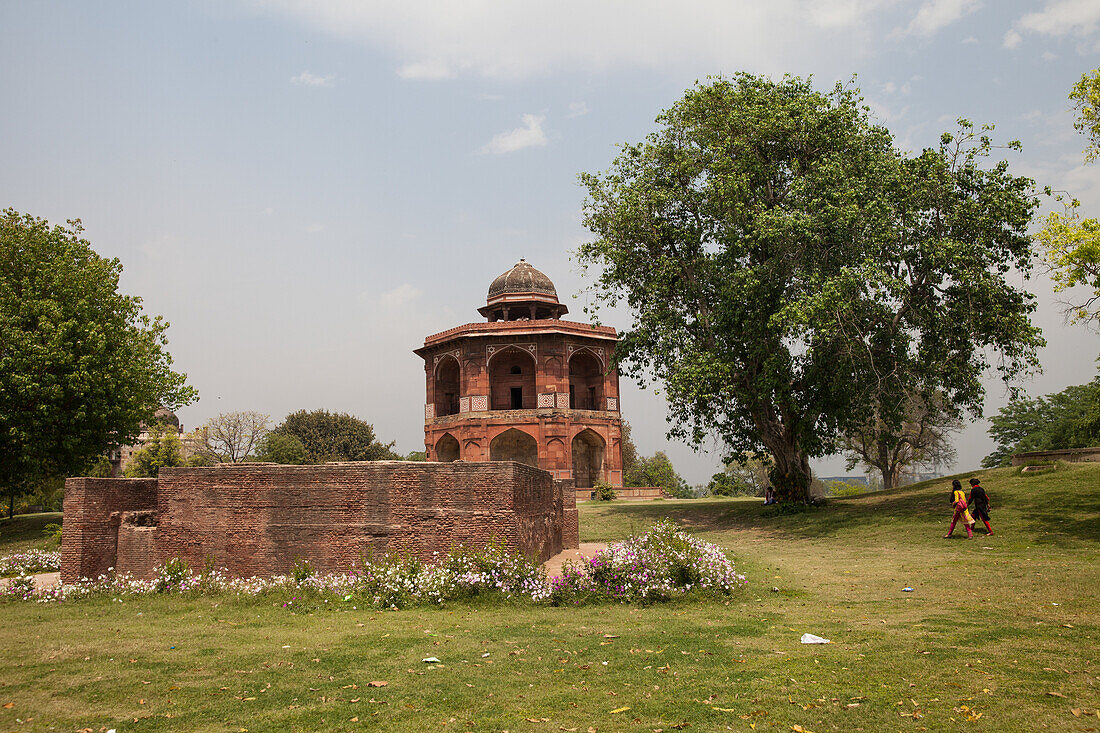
525	386
259	518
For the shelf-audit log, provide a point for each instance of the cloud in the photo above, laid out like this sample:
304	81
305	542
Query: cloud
308	79
1079	18
530	135
398	298
935	15
437	39
577	109
315	228
1012	39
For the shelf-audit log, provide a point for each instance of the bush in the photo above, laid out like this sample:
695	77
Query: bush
30	561
602	491
53	534
173	575
302	571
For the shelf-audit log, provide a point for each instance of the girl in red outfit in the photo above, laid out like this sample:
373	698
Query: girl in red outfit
958	500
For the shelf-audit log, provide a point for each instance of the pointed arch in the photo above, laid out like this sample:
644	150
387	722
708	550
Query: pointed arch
586	379
448	386
588	450
512	379
515	445
446	449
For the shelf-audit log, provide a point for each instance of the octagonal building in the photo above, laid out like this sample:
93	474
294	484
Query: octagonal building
525	386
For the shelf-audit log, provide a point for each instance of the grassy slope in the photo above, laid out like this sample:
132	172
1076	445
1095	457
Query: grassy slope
24	531
979	634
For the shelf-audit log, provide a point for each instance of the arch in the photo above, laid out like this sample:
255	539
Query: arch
446	449
585	381
508	391
588	452
448	386
472	450
515	445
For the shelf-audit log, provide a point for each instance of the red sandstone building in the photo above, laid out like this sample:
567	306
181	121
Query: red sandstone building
525	386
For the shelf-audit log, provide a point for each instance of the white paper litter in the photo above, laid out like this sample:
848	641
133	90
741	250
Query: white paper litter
430	660
811	639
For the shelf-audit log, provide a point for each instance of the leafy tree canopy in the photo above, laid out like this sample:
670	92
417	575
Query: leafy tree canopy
788	270
232	437
81	366
1085	96
1066	419
330	436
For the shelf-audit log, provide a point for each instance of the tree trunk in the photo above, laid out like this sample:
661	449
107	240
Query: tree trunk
891	475
791	476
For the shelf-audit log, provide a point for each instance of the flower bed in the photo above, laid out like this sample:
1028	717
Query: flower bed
30	561
662	564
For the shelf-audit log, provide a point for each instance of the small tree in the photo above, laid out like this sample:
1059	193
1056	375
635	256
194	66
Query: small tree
658	471
1065	419
281	448
231	437
922	439
161	449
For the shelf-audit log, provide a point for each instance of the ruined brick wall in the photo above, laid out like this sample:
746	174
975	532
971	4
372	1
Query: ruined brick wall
258	519
93	511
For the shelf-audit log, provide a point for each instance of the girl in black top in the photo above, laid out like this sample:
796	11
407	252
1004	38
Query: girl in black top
979	503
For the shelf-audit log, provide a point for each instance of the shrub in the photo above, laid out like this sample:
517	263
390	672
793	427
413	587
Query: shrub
602	491
302	571
30	561
53	534
172	575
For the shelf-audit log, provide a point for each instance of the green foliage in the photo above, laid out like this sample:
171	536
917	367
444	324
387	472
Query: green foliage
53	534
840	489
417	455
727	484
81	365
602	491
175	571
100	468
657	471
1062	420
161	449
302	571
281	448
789	270
1086	98
330	436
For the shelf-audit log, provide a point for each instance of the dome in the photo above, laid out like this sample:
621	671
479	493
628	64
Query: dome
522	278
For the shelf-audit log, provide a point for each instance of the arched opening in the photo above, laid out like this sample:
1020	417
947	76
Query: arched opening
588	450
515	445
447	387
512	380
446	449
585	382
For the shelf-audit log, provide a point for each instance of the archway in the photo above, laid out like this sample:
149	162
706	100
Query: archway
514	445
588	450
585	382
447	387
446	449
512	380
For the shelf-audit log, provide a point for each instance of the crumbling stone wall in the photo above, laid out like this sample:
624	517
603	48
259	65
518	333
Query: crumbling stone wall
258	519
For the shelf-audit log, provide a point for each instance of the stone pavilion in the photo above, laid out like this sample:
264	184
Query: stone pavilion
525	386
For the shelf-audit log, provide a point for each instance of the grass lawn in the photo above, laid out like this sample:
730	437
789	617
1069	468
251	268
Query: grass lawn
999	634
25	531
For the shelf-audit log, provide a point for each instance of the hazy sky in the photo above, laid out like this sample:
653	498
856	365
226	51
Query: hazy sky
308	189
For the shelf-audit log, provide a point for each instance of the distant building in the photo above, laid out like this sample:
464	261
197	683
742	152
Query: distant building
163	419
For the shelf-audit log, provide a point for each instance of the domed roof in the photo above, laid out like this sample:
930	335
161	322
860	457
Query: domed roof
522	278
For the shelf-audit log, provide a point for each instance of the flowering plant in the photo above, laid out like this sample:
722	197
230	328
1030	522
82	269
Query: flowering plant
664	563
30	561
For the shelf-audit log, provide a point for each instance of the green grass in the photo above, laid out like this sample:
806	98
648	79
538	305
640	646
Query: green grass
25	531
979	634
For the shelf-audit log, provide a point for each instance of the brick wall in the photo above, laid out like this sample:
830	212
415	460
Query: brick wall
93	511
258	519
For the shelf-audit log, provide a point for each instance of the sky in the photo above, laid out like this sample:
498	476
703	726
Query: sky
306	190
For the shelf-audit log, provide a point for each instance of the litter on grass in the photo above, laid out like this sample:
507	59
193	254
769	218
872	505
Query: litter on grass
812	639
906	589
430	660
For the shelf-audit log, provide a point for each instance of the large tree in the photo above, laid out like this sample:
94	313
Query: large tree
331	436
81	366
788	270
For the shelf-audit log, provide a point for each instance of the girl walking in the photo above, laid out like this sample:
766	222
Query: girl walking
980	501
958	501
